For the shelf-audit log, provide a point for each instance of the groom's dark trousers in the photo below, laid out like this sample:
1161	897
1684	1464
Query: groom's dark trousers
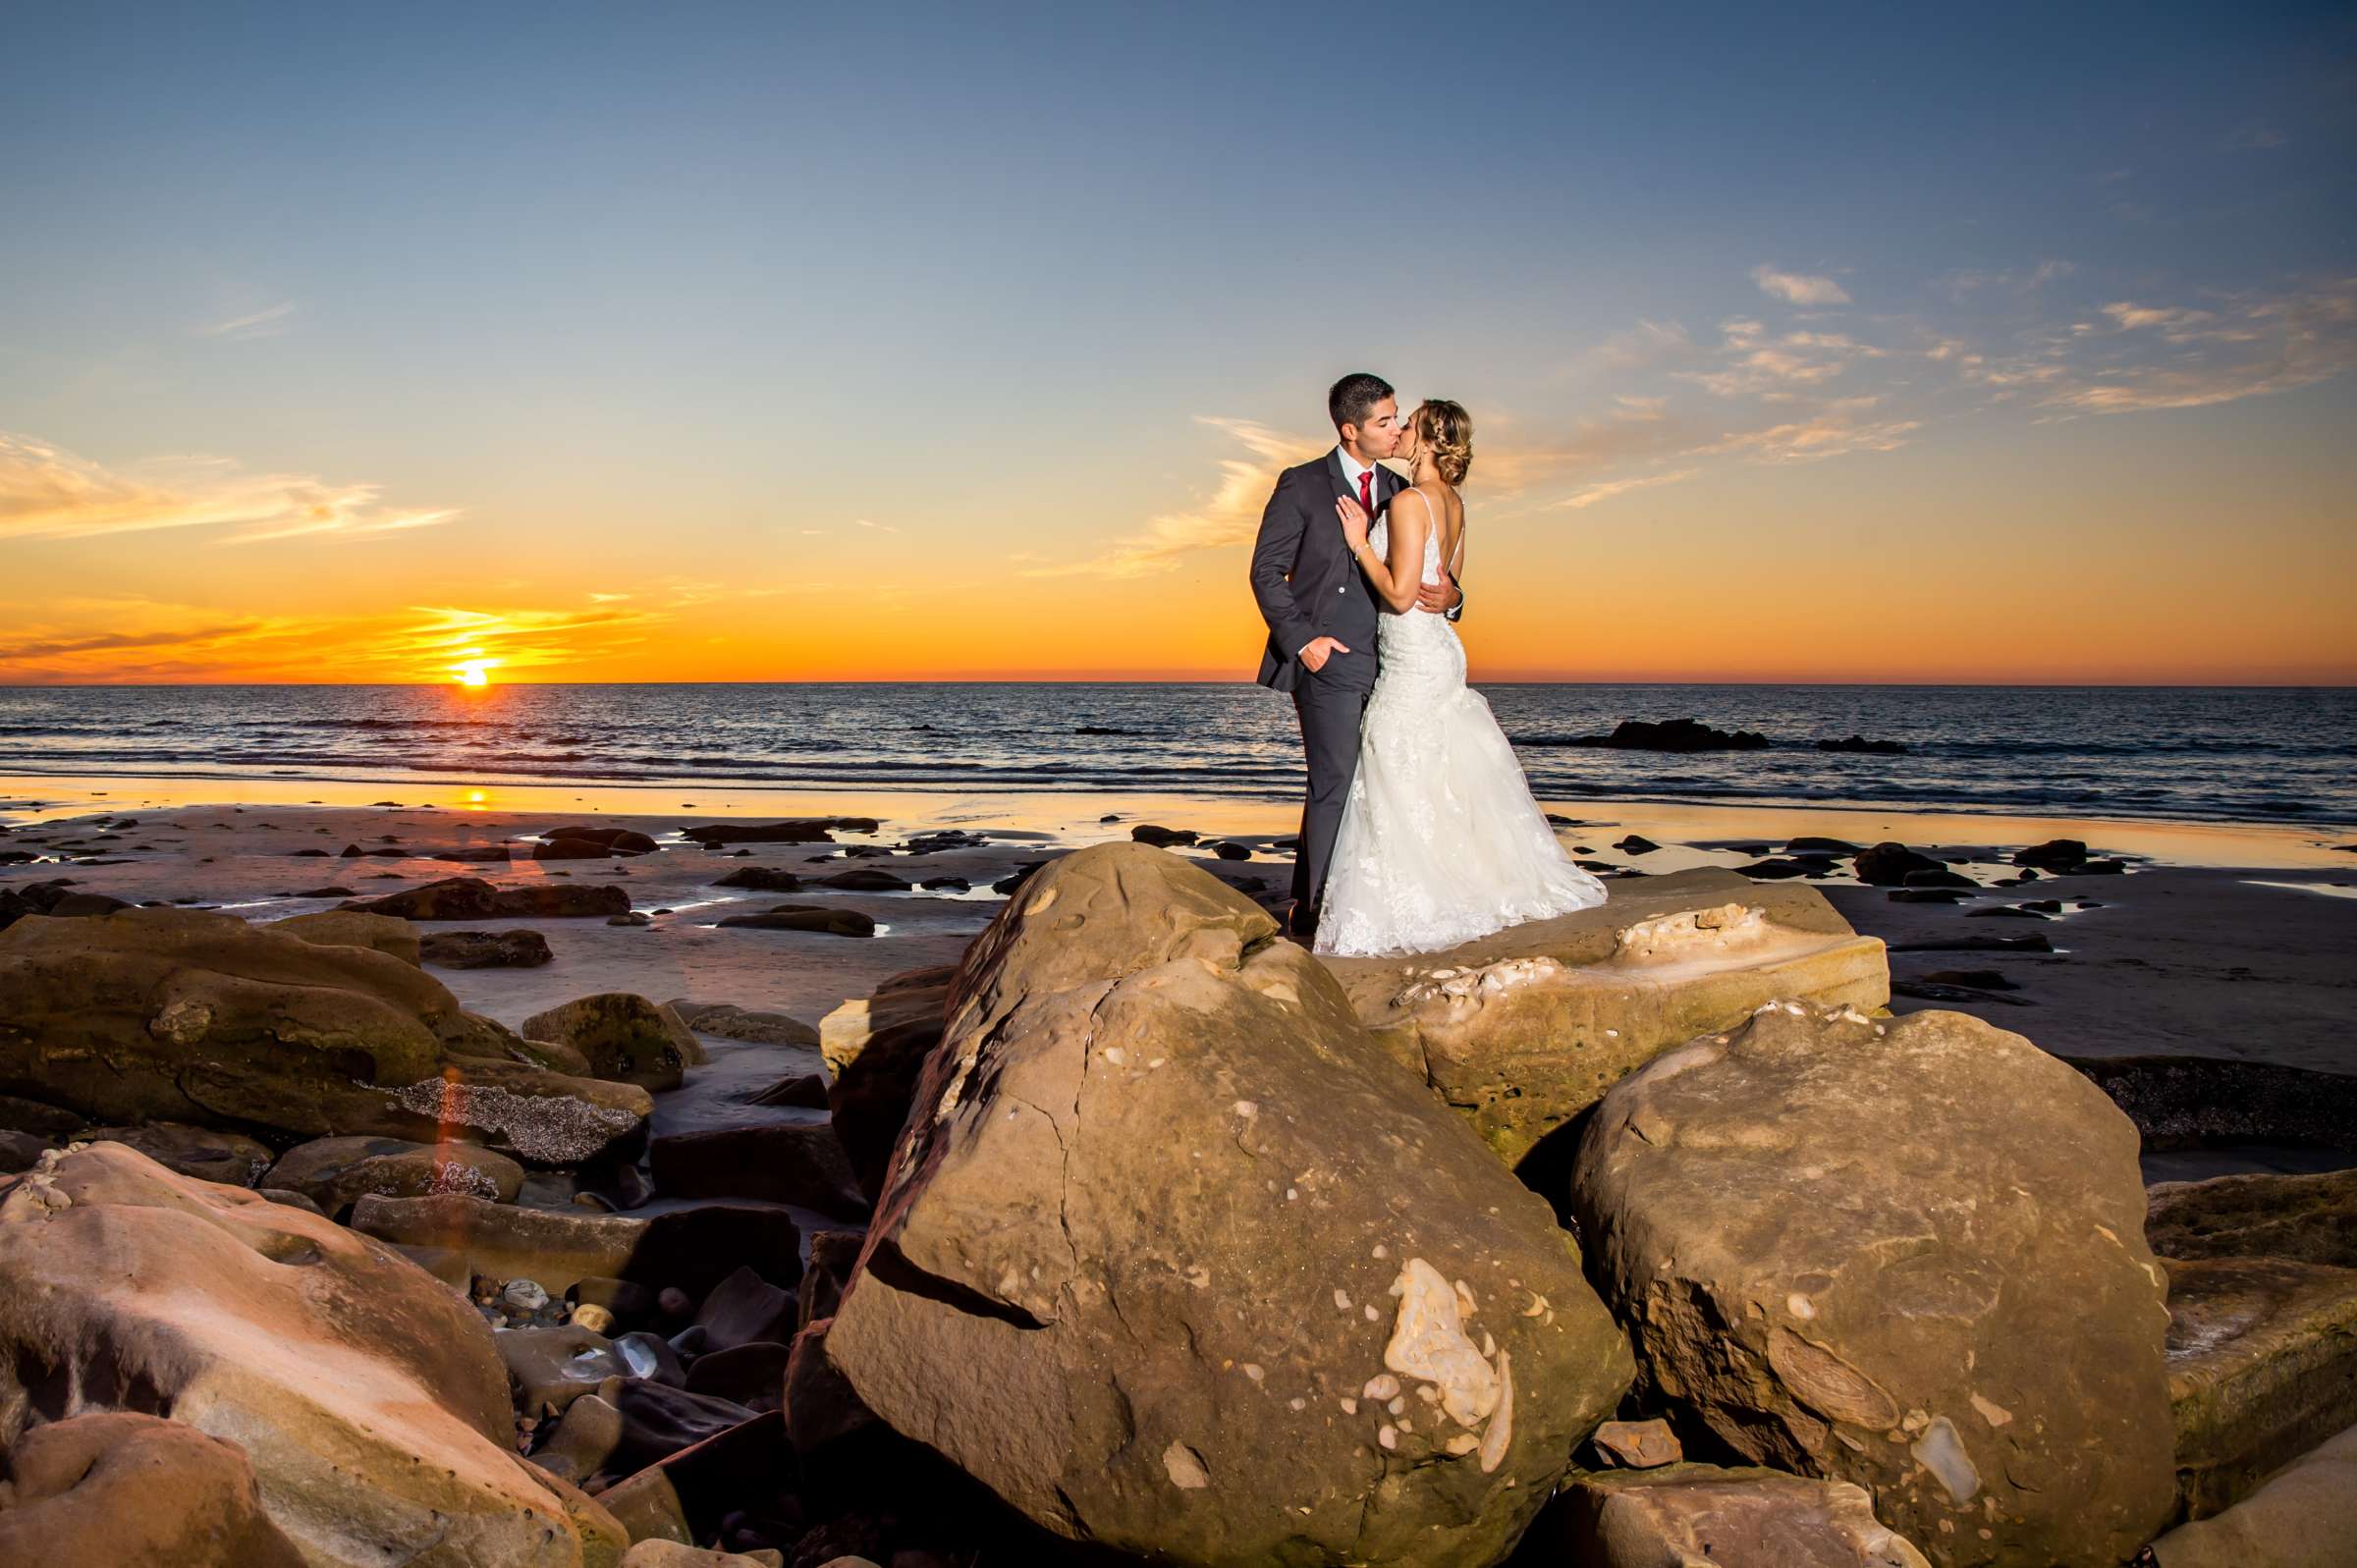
1308	586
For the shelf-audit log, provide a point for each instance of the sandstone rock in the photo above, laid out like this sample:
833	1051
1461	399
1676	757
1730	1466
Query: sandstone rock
692	1249
1176	1261
2262	1367
337	928
731	1022
472	899
795	1163
554	1367
181	1015
516	948
366	1396
1160	837
118	1489
1906	1254
583	1441
337	1172
2310	1217
1699	1516
1523	1029
874	1050
2304	1517
834	1256
672	1555
627	1038
1637	1444
199	1151
823	1412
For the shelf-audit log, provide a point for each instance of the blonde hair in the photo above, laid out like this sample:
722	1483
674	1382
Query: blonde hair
1448	431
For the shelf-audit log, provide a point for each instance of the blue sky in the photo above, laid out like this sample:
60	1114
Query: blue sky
914	316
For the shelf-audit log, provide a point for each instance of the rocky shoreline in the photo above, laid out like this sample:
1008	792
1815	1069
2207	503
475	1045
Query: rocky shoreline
984	1200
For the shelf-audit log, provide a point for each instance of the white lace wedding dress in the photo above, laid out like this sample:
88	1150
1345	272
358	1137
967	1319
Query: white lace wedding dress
1440	841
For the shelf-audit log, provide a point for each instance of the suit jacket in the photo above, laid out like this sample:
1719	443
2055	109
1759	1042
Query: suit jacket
1305	581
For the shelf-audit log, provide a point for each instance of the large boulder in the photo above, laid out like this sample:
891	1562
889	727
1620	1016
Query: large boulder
338	928
623	1037
118	1487
204	1153
1523	1029
367	1395
472	899
1700	1515
1176	1260
337	1172
184	1016
2262	1367
1908	1254
875	1048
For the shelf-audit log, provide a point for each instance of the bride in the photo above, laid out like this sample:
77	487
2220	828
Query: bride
1440	841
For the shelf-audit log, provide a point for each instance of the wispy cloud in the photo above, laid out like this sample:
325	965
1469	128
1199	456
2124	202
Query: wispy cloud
1604	490
1230	516
261	324
47	493
1837	429
2170	357
1799	288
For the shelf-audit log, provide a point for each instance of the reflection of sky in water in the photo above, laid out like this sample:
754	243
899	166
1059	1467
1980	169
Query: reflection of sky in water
2330	889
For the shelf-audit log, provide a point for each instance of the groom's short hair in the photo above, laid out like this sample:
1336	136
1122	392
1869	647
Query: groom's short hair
1349	398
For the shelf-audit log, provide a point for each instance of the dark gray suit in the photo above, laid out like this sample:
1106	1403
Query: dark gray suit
1308	586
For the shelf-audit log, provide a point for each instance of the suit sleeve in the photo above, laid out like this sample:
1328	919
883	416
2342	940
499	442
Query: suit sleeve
1273	551
1459	608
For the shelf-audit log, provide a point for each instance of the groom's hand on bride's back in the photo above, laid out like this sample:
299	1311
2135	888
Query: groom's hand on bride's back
1438	598
1321	649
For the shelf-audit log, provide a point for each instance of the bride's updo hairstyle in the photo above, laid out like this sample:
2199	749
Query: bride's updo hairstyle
1446	431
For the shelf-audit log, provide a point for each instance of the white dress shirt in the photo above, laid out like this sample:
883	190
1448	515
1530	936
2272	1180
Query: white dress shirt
1352	469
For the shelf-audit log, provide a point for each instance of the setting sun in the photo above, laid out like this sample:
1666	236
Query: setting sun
474	672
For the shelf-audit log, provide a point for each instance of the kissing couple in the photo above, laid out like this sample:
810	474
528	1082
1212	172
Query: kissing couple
1419	831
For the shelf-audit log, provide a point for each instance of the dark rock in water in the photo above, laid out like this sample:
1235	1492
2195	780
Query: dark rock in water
1147	833
2101	868
600	840
1886	865
1860	745
942	839
120	1487
1977	979
331	891
1600	867
1941	878
2310	1218
1804	1279
2058	855
1151	1185
472	899
688	1248
2033	943
804	829
488	855
1672	734
202	1152
1774	870
339	1364
484	949
946	885
2003	912
180	1015
658	1422
794	1163
1933	990
866	879
1232	851
2187	1102
762	879
1822	846
1636	844
1946	895
624	1038
2263	1367
863	852
745	1309
304	854
807	1091
84	904
834	922
1013	880
876	1048
2041	906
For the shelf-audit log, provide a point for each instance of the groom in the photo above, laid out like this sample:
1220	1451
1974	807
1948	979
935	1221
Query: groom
1321	613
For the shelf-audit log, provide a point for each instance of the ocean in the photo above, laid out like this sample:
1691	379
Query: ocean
2209	754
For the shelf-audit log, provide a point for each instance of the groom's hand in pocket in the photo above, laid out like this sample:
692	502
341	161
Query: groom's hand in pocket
1320	650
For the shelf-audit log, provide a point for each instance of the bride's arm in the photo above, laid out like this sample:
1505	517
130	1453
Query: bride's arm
1396	580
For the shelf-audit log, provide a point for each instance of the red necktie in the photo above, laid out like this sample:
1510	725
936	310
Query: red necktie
1366	491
